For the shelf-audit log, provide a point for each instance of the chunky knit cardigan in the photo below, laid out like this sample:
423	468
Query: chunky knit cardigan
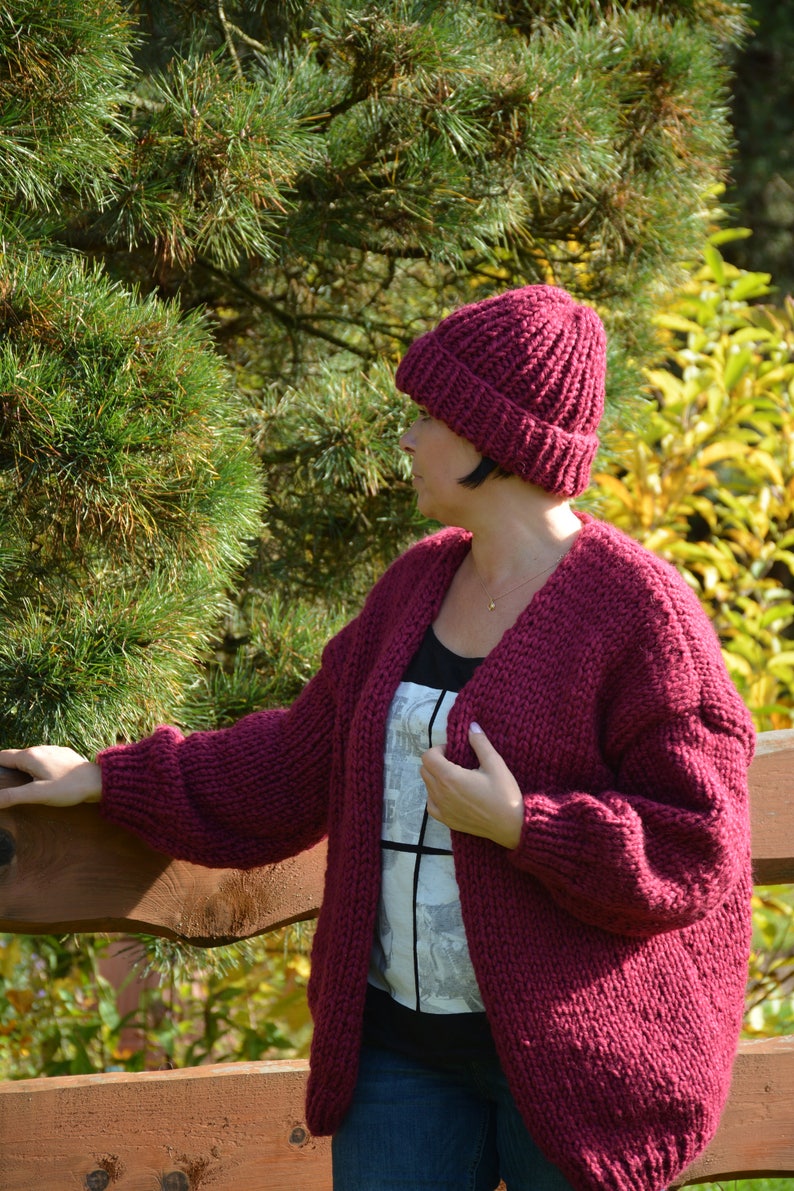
611	945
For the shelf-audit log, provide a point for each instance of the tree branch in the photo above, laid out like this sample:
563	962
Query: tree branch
228	38
244	37
288	320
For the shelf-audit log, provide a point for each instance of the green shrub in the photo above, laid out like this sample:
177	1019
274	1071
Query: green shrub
707	479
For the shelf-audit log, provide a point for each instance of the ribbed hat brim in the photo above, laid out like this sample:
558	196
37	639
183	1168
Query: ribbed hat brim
557	460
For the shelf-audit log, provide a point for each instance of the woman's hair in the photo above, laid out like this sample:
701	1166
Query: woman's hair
484	468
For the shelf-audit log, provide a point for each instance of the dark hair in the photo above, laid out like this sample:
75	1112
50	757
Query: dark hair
484	468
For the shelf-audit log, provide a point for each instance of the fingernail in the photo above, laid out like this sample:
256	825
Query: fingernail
475	727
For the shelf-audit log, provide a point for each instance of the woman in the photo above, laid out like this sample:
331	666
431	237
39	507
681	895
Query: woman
531	767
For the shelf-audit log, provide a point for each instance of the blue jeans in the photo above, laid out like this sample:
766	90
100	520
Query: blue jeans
454	1128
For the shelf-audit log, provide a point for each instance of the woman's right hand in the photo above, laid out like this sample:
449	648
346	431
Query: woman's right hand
61	777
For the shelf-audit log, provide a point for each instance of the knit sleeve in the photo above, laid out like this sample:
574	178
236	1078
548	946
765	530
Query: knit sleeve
238	797
636	815
660	849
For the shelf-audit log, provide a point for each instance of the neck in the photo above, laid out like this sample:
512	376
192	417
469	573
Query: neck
529	530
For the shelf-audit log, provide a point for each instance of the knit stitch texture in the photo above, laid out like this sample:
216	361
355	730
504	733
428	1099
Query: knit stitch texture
521	376
611	945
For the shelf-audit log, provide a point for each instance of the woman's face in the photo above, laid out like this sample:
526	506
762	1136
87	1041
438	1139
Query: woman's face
439	459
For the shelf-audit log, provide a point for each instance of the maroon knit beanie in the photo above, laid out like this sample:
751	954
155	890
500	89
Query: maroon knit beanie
521	376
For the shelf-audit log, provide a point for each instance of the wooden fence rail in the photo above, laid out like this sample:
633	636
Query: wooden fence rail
240	1126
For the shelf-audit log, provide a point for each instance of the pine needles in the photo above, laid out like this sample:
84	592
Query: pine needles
126	496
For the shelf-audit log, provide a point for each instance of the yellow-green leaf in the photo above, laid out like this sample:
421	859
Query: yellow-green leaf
676	322
615	487
715	263
716	451
736	365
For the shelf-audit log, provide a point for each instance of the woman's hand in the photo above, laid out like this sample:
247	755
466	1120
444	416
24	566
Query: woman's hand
484	801
61	777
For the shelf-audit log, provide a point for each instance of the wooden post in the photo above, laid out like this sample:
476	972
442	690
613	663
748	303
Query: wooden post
229	1127
70	870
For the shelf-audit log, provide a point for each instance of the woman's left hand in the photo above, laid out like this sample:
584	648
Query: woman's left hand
61	777
484	801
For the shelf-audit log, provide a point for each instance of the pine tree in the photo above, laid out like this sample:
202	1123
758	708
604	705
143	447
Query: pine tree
126	494
323	181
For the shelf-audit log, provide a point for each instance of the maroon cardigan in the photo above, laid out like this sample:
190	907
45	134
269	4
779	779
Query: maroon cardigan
611	945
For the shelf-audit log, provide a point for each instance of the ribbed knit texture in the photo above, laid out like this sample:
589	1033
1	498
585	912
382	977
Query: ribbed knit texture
611	944
521	376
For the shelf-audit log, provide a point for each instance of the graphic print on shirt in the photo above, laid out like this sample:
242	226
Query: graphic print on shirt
420	955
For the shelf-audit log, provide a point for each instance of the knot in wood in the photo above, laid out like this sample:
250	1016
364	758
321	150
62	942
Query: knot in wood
8	846
298	1136
175	1180
97	1180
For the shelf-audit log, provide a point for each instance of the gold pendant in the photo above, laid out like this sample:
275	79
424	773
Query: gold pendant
492	606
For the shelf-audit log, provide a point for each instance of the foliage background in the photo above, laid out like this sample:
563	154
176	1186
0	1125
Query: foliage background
761	190
322	181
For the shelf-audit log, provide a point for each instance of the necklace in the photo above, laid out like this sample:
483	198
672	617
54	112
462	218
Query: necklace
492	600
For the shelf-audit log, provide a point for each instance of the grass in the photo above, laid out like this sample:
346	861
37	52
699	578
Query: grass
749	1185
